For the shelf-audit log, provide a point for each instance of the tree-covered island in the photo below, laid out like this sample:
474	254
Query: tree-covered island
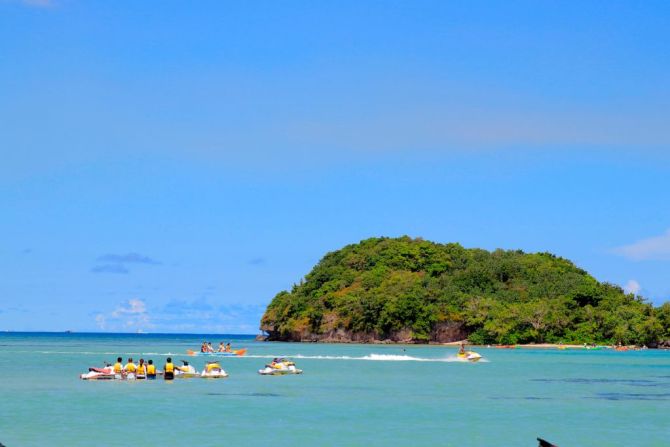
412	290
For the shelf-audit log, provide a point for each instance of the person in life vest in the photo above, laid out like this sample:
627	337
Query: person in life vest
130	366
141	370
461	351
168	369
118	366
151	370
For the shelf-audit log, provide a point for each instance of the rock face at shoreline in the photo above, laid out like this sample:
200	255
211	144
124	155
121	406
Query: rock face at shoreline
403	290
445	332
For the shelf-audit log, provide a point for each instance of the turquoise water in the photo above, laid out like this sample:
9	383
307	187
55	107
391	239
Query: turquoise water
349	395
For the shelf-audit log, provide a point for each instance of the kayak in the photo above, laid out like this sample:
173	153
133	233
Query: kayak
236	353
470	356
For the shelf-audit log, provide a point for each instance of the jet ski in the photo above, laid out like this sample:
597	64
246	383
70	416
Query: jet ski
213	370
469	356
185	371
106	373
279	367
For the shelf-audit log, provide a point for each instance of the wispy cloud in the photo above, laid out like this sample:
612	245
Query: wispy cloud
129	258
131	315
110	268
115	263
632	286
653	248
257	261
181	315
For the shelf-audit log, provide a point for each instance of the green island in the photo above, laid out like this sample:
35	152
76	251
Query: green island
415	291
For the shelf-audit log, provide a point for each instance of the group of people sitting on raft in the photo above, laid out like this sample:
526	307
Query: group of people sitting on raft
207	347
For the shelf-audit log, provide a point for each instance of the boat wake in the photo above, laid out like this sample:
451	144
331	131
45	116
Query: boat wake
370	357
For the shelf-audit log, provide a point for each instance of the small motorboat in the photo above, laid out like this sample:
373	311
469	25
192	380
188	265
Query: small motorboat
213	370
185	371
279	367
469	356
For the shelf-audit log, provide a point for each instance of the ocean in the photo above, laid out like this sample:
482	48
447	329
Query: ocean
349	395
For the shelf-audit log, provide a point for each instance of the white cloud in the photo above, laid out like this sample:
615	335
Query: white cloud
653	248
194	316
130	307
131	315
632	286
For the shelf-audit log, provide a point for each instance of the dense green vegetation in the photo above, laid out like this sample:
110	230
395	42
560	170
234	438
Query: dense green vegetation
385	285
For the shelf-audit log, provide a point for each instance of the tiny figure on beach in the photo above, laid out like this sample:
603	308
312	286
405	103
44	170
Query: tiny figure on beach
168	369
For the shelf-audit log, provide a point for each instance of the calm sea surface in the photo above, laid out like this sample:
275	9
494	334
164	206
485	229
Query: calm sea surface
349	395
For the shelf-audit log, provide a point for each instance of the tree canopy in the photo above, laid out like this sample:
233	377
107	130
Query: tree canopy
382	286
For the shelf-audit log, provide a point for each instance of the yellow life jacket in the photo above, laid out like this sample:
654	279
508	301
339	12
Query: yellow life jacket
131	368
141	369
118	367
151	369
169	367
184	369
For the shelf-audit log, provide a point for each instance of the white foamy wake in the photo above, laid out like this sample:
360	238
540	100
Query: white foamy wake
370	357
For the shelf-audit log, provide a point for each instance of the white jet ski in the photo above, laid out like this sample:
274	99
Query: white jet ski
186	371
213	370
469	356
279	367
106	373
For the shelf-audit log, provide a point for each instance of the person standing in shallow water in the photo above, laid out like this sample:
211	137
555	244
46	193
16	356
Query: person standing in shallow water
118	366
151	370
168	370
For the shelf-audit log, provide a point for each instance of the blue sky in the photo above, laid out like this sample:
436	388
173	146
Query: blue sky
170	166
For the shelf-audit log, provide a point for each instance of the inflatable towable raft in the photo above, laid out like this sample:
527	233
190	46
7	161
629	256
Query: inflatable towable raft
235	353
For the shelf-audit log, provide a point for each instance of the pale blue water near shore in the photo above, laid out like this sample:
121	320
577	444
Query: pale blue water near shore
349	395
